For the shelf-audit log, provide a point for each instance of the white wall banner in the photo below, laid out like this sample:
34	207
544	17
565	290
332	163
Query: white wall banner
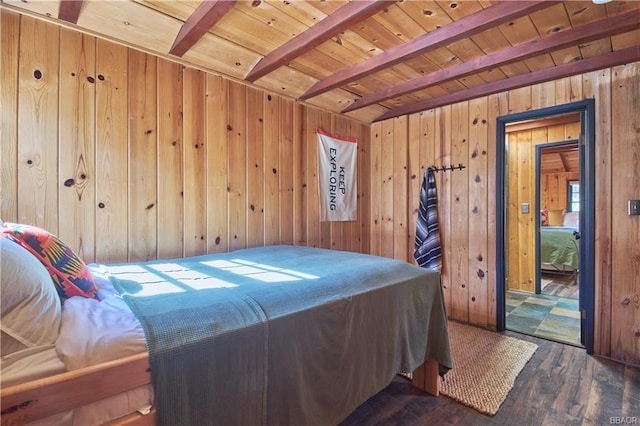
337	177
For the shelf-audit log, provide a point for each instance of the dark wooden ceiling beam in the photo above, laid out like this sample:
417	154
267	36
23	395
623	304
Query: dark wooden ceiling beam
478	22
583	34
199	23
345	17
624	56
69	10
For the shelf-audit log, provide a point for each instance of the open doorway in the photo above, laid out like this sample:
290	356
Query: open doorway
544	300
544	290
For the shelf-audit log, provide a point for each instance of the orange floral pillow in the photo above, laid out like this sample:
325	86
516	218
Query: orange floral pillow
69	273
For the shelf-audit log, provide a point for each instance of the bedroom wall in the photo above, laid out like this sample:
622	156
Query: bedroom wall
127	156
103	119
465	133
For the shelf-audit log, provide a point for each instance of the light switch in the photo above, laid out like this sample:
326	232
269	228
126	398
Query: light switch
524	208
634	207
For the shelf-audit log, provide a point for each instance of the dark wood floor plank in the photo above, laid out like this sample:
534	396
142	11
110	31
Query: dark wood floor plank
560	385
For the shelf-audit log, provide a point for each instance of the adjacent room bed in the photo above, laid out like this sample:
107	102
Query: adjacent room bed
271	335
559	248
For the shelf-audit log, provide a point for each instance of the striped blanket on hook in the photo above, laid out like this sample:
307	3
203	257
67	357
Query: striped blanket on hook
428	252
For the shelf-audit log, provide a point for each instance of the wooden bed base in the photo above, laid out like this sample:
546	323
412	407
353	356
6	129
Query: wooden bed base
41	398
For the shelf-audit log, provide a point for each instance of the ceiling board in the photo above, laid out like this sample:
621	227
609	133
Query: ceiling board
253	29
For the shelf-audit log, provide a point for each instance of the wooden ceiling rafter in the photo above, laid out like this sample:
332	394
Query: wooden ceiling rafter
480	21
69	10
586	33
570	149
342	19
565	164
252	31
620	57
556	120
208	13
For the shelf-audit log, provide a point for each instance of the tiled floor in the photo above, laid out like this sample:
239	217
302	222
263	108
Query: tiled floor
548	317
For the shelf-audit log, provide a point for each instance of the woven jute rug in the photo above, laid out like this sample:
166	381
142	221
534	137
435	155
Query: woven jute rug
485	366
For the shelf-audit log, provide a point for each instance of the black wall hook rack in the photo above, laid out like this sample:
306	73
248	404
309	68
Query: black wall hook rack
450	167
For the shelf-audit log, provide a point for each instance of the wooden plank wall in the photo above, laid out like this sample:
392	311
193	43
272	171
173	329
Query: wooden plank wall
109	131
127	156
521	154
553	190
466	133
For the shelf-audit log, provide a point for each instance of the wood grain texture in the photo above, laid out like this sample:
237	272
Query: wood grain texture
351	236
170	166
313	198
598	85
272	168
285	149
375	189
193	159
143	156
140	110
10	42
415	170
400	184
112	171
217	166
625	321
38	92
498	105
512	274
237	178
300	176
255	168
36	46
364	165
525	192
76	128
478	231
616	312
459	213
442	156
386	198
206	15
50	395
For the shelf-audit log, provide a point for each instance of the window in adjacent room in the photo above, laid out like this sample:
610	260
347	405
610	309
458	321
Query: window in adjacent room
573	196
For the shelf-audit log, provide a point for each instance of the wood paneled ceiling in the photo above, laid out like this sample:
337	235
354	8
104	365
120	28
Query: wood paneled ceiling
560	160
370	60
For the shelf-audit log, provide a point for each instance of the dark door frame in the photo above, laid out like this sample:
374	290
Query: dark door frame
586	108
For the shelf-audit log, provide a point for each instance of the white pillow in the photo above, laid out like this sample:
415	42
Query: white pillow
571	219
31	310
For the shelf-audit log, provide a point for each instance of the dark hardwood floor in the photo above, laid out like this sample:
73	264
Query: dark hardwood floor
560	385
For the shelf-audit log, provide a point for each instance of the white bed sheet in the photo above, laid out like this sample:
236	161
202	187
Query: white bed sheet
91	332
97	331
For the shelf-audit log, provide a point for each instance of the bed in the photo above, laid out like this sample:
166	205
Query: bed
559	250
308	335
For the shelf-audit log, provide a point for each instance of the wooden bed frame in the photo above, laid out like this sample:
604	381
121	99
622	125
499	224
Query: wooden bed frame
41	398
